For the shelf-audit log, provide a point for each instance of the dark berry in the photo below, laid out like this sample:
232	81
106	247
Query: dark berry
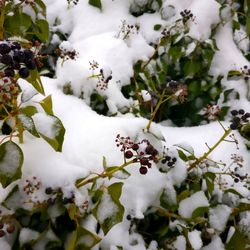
170	164
149	149
143	170
236	120
15	46
24	72
28	54
144	161
149	164
2	233
236	180
164	161
19	56
10	229
9	72
16	65
30	64
241	111
234	112
4	48
247	115
233	126
245	67
66	200
6	59
135	146
48	190
168	158
51	201
174	159
129	217
128	154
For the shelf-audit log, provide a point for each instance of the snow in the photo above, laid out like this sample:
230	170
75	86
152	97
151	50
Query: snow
97	35
195	239
218	217
188	205
216	243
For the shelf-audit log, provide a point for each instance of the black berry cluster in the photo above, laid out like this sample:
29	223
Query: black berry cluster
170	161
142	152
240	117
57	193
246	72
186	15
103	79
15	59
66	54
126	30
31	186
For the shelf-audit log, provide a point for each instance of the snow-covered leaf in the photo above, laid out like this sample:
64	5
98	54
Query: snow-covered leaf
11	160
109	211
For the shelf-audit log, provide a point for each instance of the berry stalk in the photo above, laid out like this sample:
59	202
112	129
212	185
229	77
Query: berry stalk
206	154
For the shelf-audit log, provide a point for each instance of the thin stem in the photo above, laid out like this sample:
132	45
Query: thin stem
157	108
2	16
104	174
206	154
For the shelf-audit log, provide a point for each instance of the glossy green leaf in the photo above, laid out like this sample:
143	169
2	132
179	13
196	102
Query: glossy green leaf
96	3
210	177
36	82
237	241
11	160
28	110
46	103
42	28
199	212
81	239
17	24
157	27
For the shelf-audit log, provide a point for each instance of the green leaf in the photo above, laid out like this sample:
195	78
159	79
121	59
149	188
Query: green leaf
245	131
56	141
17	24
11	160
104	163
199	212
233	191
226	94
108	210
248	26
28	124
42	28
210	177
35	80
96	3
46	103
28	110
232	73
175	53
237	241
157	27
81	239
192	67
236	25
